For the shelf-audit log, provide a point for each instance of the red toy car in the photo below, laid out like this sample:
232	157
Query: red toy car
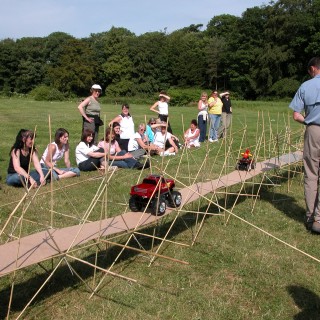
149	188
246	163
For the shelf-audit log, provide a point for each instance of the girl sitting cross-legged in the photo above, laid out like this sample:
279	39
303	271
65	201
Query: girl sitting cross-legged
116	156
54	152
161	137
89	157
191	136
22	153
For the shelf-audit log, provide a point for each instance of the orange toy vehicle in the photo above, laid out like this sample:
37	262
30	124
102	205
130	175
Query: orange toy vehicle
246	163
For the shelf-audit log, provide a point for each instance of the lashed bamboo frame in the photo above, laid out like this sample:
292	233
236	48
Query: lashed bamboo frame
263	148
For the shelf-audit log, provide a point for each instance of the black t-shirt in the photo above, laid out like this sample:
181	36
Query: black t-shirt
24	163
226	105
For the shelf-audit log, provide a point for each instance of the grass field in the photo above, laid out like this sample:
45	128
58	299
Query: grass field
235	271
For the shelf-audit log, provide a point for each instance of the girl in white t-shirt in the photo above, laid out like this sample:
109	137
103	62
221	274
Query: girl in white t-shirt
89	157
191	136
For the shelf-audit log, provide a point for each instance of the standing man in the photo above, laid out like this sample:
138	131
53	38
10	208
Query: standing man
226	114
307	101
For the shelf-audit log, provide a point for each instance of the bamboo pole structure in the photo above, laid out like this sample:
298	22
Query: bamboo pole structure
216	163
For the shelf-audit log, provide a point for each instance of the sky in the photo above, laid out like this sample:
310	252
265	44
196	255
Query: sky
80	18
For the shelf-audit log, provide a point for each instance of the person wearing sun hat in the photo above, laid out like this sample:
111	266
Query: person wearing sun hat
90	110
163	108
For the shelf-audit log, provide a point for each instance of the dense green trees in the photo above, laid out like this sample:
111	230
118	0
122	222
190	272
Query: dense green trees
263	53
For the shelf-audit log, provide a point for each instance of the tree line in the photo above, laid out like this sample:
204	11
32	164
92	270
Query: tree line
261	54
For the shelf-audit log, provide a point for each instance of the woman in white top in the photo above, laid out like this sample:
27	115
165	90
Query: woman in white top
160	139
126	127
139	143
54	152
89	157
203	116
191	136
163	108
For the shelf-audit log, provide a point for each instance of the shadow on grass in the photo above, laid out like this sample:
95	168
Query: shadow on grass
283	201
63	278
307	301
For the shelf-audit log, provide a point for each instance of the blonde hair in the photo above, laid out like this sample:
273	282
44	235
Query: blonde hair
204	94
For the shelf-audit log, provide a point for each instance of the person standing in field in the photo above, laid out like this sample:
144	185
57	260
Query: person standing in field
215	110
203	116
22	153
90	110
163	108
54	152
126	126
226	114
306	110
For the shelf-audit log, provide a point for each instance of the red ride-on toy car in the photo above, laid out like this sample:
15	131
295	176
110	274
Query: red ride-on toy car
246	163
149	189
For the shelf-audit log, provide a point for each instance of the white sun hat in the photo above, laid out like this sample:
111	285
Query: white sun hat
96	87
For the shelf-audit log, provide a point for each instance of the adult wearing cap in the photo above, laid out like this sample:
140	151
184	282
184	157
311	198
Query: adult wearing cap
90	110
163	108
226	114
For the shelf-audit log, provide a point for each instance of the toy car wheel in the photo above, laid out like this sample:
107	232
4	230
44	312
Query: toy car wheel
135	204
253	165
159	207
237	166
175	199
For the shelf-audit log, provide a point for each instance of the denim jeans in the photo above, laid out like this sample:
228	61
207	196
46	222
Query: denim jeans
55	176
14	179
214	125
202	124
124	163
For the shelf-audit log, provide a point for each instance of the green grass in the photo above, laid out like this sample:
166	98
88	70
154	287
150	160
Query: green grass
235	271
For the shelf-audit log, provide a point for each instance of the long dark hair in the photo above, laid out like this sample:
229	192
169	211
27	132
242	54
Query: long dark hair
59	133
21	138
85	134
